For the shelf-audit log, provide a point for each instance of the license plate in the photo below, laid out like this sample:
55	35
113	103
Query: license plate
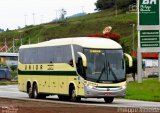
108	93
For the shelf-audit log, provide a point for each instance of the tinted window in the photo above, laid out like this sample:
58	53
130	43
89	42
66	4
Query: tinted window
54	54
77	49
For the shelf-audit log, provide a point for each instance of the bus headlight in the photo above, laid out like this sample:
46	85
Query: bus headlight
92	87
123	87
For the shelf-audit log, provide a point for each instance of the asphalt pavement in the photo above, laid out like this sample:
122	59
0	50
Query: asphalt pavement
11	91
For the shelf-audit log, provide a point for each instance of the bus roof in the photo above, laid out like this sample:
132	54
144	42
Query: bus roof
87	42
3	54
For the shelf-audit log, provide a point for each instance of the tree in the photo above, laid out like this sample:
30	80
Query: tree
7	29
1	30
63	13
125	3
104	4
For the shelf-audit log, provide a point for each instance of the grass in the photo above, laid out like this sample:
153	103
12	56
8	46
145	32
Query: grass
13	74
77	27
148	90
13	79
6	82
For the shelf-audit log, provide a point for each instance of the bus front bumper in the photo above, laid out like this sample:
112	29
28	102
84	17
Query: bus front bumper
95	92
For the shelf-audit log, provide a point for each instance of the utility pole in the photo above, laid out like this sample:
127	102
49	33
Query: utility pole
25	19
21	41
41	19
29	41
33	18
38	40
5	45
82	9
133	26
13	46
56	16
116	7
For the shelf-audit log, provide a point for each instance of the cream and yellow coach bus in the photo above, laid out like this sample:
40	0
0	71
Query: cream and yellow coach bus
73	68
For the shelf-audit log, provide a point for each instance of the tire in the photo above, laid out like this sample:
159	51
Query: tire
72	95
35	91
108	99
30	92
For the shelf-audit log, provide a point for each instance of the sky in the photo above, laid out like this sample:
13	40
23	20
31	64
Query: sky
14	13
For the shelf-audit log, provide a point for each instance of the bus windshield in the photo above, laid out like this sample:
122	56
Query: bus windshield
105	66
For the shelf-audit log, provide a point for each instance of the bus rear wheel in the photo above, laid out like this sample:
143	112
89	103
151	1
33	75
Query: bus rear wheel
36	95
29	90
72	95
35	91
108	99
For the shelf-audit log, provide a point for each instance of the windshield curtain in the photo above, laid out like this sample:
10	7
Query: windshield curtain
105	65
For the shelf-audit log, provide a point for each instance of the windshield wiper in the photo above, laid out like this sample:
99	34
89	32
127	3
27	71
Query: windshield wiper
114	75
101	73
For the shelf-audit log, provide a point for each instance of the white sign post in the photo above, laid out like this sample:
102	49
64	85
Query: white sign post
148	31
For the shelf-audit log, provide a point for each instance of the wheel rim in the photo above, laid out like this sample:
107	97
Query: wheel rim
30	93
35	93
73	95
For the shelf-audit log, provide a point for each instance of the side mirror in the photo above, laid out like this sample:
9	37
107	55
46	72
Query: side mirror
130	60
84	59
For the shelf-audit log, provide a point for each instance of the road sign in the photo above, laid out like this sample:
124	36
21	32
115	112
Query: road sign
148	31
149	38
149	12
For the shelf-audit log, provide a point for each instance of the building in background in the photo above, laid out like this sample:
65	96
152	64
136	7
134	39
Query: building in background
8	64
9	59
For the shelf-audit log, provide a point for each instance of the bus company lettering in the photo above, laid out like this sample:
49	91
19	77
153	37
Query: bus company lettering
50	67
145	2
33	67
146	5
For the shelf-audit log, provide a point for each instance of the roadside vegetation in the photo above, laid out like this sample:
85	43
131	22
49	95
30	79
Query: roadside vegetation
148	90
78	27
13	79
7	82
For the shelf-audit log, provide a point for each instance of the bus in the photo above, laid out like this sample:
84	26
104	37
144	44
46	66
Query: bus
73	68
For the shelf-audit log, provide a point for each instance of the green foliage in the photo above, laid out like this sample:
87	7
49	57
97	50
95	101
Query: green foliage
14	74
13	68
105	4
125	3
5	82
77	27
147	90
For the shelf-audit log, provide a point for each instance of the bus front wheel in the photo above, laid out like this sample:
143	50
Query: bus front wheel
72	95
108	99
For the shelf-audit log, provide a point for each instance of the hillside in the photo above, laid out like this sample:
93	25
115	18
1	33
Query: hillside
77	26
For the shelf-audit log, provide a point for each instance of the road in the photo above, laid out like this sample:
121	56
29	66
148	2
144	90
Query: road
11	91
